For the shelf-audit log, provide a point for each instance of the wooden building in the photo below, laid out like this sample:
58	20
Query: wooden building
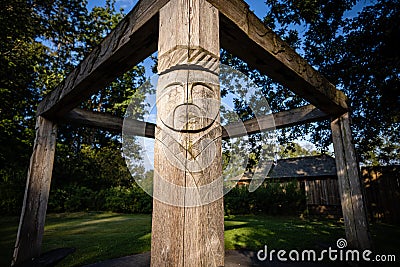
315	175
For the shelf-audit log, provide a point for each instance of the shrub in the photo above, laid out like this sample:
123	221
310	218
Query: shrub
72	198
269	198
12	188
127	200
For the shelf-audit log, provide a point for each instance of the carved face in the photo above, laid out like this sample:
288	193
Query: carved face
188	100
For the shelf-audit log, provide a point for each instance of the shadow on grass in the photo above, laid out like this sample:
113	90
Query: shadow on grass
253	232
101	236
97	236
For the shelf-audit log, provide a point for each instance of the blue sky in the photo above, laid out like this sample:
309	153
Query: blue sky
257	6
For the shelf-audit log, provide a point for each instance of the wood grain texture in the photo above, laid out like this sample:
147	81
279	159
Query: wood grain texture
33	214
282	119
245	36
350	188
108	122
188	229
134	39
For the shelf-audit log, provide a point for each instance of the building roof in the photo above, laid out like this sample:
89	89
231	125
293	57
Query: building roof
304	167
310	167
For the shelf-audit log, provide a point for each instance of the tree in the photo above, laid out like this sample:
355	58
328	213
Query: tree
369	72
91	158
357	54
41	42
294	150
20	57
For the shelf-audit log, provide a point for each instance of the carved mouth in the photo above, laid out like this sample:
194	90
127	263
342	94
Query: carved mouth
188	117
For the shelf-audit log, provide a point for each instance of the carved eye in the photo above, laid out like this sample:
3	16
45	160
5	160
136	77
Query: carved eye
171	96
205	98
201	90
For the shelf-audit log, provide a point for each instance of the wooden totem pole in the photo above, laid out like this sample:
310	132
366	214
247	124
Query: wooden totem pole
188	222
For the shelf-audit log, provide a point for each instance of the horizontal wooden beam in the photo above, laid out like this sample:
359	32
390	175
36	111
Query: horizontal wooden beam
282	119
134	39
246	37
242	34
108	122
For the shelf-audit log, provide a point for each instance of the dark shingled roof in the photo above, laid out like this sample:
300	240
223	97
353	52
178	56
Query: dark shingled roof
310	166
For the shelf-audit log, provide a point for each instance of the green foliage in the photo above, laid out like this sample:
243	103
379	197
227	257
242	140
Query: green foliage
41	42
294	150
358	54
270	198
20	55
369	71
12	185
72	198
122	199
128	200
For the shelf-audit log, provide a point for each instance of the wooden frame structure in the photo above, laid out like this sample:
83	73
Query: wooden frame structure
137	36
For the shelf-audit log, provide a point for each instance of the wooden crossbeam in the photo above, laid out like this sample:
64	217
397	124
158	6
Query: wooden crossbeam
134	39
108	122
282	119
241	33
245	36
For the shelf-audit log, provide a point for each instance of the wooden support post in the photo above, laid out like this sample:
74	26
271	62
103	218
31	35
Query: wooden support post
31	225
350	186
188	215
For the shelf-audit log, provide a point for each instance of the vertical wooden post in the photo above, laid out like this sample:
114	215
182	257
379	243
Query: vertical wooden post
31	225
350	186
188	222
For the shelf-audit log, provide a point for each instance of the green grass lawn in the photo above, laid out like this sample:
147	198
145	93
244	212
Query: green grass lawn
100	236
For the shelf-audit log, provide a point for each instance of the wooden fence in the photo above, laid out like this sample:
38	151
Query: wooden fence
381	187
323	196
382	190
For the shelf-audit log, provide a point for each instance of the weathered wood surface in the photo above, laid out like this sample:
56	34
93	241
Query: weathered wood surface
350	188
282	119
31	225
242	33
245	36
109	122
134	39
188	226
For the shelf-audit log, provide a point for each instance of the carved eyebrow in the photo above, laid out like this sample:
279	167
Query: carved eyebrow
164	90
173	84
202	84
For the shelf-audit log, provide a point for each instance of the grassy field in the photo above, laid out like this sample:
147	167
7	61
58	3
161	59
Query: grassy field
100	236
